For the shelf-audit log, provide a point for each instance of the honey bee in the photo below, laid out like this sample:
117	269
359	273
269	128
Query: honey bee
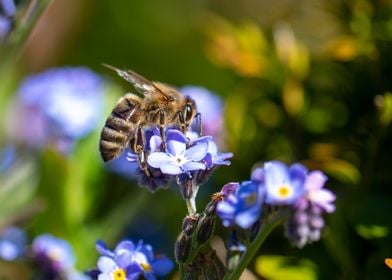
160	105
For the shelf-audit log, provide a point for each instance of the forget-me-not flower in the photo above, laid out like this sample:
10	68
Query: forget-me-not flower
179	158
129	261
242	207
283	185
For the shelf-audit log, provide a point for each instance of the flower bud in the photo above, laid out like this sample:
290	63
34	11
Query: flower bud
190	223
182	247
210	208
205	228
186	185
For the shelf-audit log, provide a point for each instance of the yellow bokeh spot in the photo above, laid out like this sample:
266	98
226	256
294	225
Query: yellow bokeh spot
119	274
284	191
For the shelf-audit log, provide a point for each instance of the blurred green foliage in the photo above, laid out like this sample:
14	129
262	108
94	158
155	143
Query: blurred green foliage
302	81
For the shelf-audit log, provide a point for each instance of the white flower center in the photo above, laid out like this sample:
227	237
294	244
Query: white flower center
179	160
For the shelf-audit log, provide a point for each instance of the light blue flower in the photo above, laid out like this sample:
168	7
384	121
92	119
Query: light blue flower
283	185
178	158
243	207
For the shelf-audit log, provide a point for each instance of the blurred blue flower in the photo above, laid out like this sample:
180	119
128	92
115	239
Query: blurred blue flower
178	158
53	255
12	243
59	105
283	185
242	207
129	261
211	108
7	13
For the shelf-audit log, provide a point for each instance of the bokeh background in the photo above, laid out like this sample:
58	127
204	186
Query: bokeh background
306	81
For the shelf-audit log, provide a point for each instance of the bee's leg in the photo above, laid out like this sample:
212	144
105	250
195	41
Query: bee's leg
137	144
181	121
162	121
198	123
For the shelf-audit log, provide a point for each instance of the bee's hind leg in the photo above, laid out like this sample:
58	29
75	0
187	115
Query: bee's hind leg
137	145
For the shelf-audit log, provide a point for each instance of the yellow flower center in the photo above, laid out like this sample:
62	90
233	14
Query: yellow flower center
285	191
119	274
146	266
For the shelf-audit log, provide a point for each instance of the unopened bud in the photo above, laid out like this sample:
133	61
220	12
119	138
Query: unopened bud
186	186
182	247
190	223
205	228
210	208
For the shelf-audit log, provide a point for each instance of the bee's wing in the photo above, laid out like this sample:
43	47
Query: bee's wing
140	83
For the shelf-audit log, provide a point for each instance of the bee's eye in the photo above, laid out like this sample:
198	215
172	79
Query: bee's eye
188	113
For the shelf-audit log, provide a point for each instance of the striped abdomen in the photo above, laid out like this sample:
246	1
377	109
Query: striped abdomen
119	127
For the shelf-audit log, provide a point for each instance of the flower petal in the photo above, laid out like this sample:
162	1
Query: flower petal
102	249
175	147
315	180
155	143
170	169
162	266
104	276
106	264
157	159
175	135
276	174
197	152
191	166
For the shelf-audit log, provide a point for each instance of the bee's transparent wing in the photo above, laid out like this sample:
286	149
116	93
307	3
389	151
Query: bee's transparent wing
140	83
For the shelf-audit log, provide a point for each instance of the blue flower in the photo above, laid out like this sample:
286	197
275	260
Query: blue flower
59	105
178	158
283	185
129	261
53	255
12	243
243	207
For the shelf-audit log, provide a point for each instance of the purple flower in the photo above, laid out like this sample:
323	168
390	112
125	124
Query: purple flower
283	185
242	207
211	108
315	193
12	243
304	224
129	261
178	158
58	106
53	255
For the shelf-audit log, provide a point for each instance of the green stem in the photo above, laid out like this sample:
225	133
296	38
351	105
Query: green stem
251	251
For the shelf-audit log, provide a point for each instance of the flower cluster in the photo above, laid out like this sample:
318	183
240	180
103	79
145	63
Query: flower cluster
130	261
182	158
57	107
278	185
